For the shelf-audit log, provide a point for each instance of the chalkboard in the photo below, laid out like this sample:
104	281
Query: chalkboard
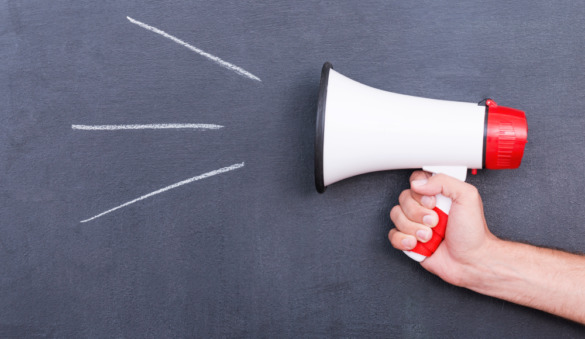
157	165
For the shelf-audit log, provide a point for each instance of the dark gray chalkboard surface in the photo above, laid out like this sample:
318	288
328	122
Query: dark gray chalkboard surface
255	251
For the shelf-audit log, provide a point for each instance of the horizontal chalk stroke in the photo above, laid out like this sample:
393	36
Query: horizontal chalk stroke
213	58
144	126
164	189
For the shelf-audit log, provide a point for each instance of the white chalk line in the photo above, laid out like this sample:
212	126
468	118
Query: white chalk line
213	58
164	189
144	126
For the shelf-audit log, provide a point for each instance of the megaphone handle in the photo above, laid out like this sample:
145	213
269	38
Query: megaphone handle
423	250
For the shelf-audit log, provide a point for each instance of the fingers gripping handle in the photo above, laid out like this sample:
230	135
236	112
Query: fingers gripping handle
423	250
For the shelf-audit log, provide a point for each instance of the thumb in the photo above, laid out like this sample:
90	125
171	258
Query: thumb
450	187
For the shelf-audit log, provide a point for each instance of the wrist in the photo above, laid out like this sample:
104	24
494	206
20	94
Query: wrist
481	271
545	279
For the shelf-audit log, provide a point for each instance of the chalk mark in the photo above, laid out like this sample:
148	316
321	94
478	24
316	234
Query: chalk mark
164	189
213	58
144	126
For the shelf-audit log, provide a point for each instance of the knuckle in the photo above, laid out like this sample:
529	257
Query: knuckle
404	196
416	175
391	234
395	212
472	191
395	241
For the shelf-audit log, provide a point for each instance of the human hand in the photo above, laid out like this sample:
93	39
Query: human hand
467	238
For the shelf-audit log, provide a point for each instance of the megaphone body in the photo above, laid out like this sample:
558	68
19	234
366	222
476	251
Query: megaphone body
361	129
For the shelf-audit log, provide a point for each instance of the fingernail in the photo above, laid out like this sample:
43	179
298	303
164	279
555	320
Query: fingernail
408	242
423	235
430	220
418	183
427	201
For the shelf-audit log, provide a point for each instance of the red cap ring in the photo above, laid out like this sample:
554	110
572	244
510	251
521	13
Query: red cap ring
505	136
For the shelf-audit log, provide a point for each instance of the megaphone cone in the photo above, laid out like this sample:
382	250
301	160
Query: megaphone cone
361	129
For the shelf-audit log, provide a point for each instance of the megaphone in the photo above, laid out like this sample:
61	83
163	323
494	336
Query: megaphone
361	129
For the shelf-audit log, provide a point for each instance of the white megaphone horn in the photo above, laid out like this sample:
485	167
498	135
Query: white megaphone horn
361	129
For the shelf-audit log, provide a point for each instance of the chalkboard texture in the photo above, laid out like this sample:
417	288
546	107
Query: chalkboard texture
215	229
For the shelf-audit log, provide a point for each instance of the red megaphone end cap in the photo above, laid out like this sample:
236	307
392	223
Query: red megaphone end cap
506	135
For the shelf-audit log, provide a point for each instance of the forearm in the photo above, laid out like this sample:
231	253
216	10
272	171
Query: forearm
546	279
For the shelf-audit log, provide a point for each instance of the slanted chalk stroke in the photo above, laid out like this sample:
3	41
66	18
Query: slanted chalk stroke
211	57
164	189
